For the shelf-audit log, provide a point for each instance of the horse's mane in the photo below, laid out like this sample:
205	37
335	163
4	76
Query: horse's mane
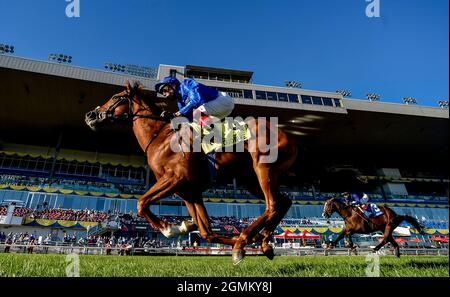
149	98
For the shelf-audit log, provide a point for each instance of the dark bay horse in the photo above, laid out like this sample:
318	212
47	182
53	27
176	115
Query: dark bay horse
184	174
355	222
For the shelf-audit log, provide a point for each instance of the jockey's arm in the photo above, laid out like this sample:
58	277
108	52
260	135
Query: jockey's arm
194	100
364	199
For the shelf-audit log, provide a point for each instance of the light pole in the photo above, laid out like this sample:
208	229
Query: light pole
136	70
60	58
6	49
344	93
443	103
293	84
373	97
409	100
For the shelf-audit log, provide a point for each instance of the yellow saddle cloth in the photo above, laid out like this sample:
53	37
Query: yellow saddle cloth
224	134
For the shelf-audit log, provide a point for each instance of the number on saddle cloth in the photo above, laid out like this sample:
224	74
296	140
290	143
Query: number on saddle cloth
374	210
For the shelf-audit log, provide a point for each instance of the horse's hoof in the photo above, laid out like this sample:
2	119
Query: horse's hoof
186	227
268	252
238	256
171	231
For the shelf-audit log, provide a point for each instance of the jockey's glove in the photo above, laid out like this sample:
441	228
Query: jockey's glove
167	115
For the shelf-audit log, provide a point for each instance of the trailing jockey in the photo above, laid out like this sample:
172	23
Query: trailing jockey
360	200
195	100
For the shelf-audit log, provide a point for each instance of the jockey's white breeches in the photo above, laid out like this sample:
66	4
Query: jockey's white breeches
220	107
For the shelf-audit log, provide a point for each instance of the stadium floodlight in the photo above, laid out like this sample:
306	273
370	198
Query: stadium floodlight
6	49
344	93
443	103
115	67
409	100
373	97
293	84
136	70
60	58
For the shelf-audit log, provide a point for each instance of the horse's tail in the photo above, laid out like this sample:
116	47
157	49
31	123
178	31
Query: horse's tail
399	219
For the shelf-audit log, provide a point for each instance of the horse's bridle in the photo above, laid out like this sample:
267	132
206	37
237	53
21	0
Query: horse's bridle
336	209
108	114
118	99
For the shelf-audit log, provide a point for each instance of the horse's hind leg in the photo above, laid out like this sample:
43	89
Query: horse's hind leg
387	233
266	183
339	238
272	223
353	247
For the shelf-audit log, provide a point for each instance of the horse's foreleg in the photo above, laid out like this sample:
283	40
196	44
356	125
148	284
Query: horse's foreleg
162	188
198	212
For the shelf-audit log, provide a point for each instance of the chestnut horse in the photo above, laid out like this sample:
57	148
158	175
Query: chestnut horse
184	173
355	222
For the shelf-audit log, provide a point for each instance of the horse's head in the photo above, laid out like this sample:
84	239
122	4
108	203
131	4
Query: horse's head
116	108
329	207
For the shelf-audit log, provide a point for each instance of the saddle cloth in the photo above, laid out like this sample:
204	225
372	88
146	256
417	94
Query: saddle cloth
374	210
225	134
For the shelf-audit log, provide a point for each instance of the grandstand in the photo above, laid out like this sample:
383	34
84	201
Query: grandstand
69	178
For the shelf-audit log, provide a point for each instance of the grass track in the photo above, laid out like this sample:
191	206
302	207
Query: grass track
183	266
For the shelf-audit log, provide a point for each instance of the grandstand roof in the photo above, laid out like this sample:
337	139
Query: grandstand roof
40	99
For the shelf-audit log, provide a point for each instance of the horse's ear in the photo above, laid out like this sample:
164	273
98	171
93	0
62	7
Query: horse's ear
128	85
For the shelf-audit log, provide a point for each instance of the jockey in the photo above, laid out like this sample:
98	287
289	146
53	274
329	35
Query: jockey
358	199
195	100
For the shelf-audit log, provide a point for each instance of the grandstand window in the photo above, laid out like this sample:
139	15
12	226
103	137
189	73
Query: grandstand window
223	77
293	98
62	167
15	163
248	94
337	102
306	99
327	101
235	93
272	96
282	97
239	79
213	76
47	165
197	74
317	100
261	95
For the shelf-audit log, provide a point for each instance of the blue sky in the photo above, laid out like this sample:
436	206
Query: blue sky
325	44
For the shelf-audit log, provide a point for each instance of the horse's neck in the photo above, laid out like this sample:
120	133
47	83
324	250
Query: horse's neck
144	128
343	211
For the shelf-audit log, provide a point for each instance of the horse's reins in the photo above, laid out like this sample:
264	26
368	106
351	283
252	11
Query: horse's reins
361	216
118	99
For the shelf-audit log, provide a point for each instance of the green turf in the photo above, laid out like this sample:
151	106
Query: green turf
319	266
